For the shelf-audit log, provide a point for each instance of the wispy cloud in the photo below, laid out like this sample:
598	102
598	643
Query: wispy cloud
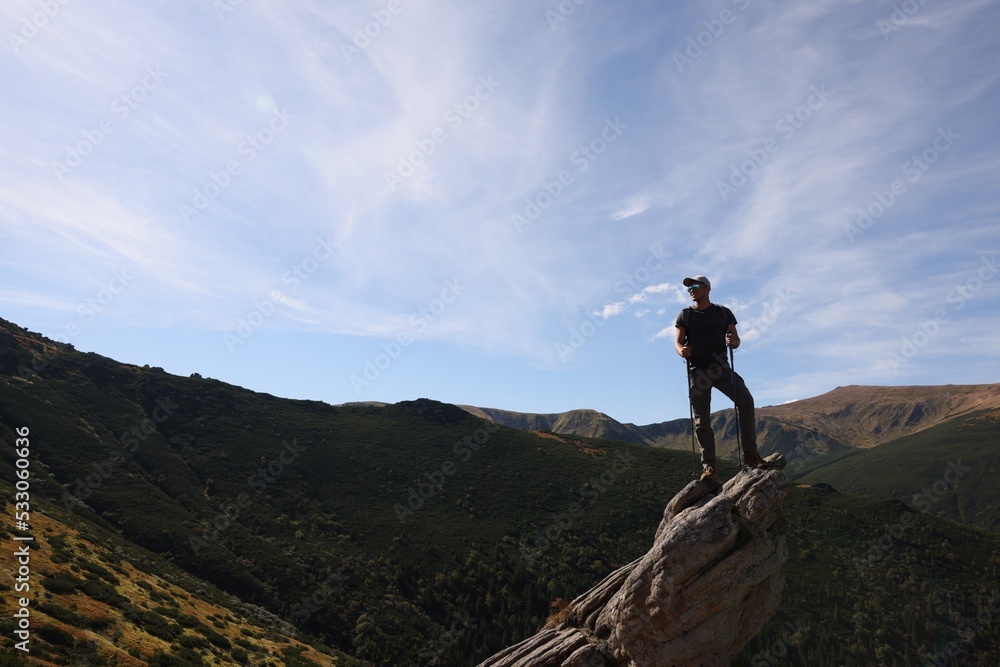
633	207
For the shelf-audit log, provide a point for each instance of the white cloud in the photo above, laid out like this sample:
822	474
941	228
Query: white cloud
666	332
650	290
634	206
620	307
612	310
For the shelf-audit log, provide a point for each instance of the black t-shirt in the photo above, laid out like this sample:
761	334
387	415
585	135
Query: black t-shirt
706	333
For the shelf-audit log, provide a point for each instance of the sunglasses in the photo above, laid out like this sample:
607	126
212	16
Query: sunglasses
694	286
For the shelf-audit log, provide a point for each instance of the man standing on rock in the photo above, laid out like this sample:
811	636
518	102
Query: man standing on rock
703	332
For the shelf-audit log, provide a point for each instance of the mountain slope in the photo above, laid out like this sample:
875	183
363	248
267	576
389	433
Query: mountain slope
96	599
863	417
949	469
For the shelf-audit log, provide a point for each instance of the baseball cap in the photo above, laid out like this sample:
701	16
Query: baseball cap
697	279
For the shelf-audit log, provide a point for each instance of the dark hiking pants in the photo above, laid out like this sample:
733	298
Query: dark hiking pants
721	377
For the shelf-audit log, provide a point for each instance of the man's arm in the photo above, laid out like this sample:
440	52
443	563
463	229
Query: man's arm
732	338
682	349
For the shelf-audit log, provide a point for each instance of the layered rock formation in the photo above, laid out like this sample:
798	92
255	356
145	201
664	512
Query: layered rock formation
712	579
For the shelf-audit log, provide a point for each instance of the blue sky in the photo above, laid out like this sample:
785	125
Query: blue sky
495	203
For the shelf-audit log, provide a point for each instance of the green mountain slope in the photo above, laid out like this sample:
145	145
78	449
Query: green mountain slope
949	470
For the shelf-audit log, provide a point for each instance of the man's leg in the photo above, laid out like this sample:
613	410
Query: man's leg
744	405
701	402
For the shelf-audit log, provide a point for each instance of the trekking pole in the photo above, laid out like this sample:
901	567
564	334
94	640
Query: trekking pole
736	407
694	459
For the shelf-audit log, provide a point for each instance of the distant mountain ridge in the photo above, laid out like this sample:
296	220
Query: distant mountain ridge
586	423
851	417
867	416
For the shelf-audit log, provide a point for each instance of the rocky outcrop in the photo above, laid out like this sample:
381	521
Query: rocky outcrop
712	579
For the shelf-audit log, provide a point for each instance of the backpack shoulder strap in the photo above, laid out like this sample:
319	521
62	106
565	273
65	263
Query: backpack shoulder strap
725	314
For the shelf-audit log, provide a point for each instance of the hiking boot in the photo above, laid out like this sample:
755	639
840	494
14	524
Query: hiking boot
708	474
753	460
